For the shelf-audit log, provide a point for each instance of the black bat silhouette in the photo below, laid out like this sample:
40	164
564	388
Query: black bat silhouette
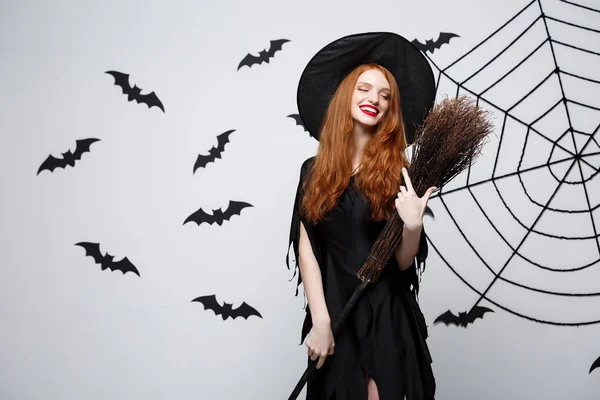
226	311
429	211
463	318
133	93
218	216
430	45
595	364
296	117
263	55
106	261
69	158
214	152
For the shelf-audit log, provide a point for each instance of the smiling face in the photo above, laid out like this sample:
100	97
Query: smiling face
370	98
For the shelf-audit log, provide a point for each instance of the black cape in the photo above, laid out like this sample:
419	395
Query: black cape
385	335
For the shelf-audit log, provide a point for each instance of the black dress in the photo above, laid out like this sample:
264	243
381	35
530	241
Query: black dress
386	333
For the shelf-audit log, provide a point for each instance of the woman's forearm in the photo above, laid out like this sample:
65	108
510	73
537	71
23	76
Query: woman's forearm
409	246
311	278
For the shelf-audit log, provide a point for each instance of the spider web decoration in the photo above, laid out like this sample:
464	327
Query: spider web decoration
524	218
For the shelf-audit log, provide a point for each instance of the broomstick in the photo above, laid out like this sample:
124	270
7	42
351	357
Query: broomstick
449	140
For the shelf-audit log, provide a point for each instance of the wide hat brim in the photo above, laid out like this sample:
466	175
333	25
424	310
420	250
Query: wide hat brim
325	71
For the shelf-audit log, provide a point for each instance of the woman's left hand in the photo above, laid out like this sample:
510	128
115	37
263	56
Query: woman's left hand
411	207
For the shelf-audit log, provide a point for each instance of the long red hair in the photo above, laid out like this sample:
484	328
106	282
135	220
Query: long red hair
382	160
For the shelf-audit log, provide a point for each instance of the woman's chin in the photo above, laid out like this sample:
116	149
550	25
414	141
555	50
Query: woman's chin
366	122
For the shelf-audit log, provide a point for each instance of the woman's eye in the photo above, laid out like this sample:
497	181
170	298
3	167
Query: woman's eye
362	90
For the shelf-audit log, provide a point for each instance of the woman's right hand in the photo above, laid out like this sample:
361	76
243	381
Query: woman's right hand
320	342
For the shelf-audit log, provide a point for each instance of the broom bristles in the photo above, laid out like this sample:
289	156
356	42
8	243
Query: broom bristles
449	141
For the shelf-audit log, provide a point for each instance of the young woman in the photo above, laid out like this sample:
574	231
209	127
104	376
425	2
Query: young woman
362	96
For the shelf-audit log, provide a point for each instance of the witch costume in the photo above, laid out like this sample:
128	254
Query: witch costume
386	334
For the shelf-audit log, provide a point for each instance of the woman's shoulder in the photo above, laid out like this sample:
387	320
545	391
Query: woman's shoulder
308	162
306	165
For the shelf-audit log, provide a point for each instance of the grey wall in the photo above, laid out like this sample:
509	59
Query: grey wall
70	330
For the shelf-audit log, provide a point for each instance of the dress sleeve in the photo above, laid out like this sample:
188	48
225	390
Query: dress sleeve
415	271
417	268
423	251
311	230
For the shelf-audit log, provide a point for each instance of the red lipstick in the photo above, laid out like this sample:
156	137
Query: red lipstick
371	111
